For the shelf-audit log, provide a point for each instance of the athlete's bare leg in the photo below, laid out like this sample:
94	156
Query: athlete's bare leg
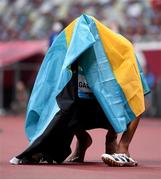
123	146
111	142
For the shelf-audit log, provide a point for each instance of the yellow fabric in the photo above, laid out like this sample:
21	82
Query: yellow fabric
123	62
69	31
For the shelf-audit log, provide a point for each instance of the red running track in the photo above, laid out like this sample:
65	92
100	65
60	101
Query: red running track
145	148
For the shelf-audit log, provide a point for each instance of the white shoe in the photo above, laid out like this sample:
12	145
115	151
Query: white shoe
118	160
15	161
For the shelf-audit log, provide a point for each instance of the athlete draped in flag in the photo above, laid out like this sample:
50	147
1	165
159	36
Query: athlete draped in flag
56	110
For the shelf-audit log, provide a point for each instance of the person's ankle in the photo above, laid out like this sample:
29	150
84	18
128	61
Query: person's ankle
123	149
111	146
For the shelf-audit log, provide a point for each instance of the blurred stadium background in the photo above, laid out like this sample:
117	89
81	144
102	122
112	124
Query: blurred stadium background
27	28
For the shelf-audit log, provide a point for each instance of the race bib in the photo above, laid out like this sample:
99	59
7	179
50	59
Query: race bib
83	89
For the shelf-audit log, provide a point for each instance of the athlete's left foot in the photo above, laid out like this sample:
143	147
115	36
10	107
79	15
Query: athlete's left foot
83	142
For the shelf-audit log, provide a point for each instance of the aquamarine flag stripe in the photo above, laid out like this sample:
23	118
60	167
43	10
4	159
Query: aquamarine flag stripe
43	99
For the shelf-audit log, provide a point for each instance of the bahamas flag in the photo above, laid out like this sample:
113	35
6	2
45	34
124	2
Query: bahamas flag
111	70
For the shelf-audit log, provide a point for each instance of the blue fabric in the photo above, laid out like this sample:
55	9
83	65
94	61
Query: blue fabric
43	98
